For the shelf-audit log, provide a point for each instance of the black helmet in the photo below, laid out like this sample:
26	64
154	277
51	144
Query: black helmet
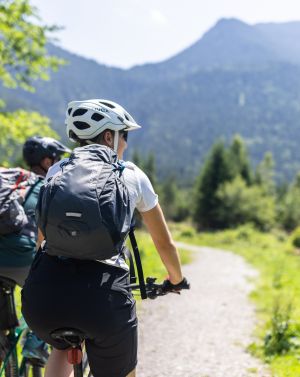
36	148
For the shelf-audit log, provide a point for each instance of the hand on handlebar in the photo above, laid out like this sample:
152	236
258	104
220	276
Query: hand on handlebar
154	290
167	286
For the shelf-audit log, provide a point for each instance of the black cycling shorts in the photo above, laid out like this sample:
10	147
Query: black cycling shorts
89	296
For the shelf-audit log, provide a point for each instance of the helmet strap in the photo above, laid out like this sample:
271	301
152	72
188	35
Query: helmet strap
116	141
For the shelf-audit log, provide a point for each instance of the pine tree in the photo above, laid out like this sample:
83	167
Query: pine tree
215	172
150	169
264	175
137	159
289	205
239	160
169	197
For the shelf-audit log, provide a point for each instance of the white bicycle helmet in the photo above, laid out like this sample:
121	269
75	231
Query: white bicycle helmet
87	119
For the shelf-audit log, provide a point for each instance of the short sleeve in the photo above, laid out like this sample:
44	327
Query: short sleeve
147	199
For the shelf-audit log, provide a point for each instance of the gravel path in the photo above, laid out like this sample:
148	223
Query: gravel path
203	332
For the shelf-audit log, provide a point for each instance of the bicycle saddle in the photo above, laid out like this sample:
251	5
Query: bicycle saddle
71	336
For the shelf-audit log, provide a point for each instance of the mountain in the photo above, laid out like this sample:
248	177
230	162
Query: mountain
284	38
231	43
237	78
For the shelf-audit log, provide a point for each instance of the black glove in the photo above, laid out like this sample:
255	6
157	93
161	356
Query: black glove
169	287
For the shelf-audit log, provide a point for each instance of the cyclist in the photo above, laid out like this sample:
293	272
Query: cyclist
17	250
93	295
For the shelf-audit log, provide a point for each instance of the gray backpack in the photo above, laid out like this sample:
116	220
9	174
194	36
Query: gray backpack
15	186
83	211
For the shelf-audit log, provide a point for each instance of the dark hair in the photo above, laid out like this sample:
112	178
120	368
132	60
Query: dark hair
97	139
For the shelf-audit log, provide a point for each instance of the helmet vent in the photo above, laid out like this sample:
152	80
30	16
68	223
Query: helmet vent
108	105
69	110
97	117
79	112
126	117
81	125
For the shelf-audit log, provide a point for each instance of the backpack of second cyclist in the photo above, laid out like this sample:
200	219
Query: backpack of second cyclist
84	210
15	184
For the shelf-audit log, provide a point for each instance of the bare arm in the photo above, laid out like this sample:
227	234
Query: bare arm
40	239
158	229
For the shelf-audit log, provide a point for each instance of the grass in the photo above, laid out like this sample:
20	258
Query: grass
276	293
152	263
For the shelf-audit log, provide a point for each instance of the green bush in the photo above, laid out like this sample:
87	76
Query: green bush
245	232
289	209
295	237
188	233
279	338
241	204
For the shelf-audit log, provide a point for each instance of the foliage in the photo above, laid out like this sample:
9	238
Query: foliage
137	158
227	195
215	172
147	164
289	208
239	159
169	192
264	174
241	204
295	237
172	198
16	127
175	201
23	56
278	340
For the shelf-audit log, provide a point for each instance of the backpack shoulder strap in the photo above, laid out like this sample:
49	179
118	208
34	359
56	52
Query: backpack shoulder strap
138	263
127	254
32	187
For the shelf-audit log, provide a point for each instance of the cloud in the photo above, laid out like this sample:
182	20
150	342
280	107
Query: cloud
158	17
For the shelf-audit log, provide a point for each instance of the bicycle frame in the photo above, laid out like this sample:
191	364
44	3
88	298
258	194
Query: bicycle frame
13	337
12	329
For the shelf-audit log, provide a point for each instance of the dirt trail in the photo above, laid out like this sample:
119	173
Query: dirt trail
203	332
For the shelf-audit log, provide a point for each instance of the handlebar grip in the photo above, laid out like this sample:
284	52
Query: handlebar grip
168	286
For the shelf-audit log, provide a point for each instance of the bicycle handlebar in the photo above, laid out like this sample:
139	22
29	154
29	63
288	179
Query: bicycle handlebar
154	290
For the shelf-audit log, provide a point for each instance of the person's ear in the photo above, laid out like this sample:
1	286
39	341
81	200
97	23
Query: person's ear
46	163
108	138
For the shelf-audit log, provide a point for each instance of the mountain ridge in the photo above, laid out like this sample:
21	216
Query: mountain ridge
237	78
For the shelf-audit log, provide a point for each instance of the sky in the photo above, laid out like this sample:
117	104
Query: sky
124	33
